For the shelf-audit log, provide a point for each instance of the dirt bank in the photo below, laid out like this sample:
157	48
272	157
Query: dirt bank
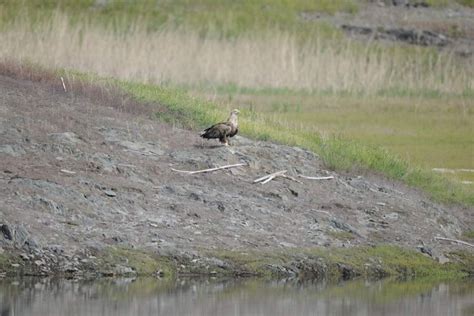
80	177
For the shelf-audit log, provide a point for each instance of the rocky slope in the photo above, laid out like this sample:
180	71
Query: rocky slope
79	176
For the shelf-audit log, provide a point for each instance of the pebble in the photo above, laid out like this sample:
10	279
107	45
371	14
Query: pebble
393	216
110	193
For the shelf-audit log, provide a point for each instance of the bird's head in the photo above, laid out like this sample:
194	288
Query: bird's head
235	111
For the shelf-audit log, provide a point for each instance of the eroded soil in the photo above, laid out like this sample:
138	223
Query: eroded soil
78	176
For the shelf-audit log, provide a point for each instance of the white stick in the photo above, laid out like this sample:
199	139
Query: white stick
317	178
271	175
67	171
268	179
291	178
455	240
211	169
64	85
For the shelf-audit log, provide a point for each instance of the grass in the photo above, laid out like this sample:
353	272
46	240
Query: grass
432	131
142	262
221	18
468	234
382	260
467	3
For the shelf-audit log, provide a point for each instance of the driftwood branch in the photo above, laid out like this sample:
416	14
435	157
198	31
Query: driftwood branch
455	240
67	171
64	85
210	169
317	178
269	177
291	178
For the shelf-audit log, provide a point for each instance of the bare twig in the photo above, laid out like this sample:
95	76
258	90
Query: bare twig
291	178
269	177
455	240
210	169
64	85
317	178
67	171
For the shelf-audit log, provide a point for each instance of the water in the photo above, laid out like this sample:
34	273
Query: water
149	296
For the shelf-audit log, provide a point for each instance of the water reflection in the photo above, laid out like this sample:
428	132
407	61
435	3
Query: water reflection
150	296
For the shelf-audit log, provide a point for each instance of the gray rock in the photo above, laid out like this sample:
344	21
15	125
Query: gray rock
110	193
342	226
12	150
392	216
146	149
65	138
426	250
21	235
123	270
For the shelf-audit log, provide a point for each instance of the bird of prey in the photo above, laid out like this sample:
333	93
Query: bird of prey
223	130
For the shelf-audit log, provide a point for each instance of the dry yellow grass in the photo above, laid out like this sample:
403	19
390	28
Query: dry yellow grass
274	60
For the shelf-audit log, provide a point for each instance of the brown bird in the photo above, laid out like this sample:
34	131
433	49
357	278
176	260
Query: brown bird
223	130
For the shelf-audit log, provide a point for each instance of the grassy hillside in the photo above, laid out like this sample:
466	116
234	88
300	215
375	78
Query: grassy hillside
299	82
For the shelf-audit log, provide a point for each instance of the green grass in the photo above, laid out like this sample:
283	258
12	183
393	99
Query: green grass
467	3
468	234
395	261
223	18
142	262
382	260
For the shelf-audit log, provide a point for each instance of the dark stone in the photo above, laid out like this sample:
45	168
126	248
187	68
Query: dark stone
426	250
342	226
346	271
410	36
7	232
295	193
220	206
194	196
398	3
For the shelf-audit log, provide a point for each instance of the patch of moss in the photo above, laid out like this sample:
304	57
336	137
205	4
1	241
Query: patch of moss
6	261
142	262
254	263
464	261
468	234
467	3
387	260
380	261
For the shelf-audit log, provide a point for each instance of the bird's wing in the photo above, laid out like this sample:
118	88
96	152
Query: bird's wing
217	130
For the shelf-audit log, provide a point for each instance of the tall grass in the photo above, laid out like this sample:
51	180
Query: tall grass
273	59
